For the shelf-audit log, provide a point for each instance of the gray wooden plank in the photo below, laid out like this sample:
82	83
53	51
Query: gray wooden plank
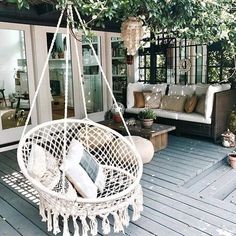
231	197
203	180
6	229
164	166
164	177
177	158
25	208
185	203
169	162
193	159
24	225
193	154
185	214
167	172
152	210
219	185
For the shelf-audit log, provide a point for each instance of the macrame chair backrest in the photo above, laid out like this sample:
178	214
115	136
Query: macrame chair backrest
118	157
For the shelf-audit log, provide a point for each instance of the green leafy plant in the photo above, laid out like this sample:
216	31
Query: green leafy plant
232	120
147	114
59	50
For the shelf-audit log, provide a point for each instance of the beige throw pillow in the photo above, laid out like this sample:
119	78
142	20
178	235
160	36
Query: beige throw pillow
173	103
138	99
200	108
152	100
190	103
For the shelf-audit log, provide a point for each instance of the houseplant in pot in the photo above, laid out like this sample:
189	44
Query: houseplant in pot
117	111
232	158
147	116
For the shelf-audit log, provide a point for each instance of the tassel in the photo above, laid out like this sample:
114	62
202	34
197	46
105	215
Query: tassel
56	228
49	220
93	225
117	223
65	226
42	211
76	227
138	204
124	215
106	225
85	227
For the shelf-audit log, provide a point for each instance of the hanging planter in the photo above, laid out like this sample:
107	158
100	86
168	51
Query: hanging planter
132	32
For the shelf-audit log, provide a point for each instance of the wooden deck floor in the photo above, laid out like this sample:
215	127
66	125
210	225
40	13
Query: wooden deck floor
188	190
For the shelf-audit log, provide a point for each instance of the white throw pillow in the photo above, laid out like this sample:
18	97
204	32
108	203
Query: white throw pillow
81	167
130	92
37	164
43	166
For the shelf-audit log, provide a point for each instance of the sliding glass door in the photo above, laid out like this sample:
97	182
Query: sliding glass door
16	81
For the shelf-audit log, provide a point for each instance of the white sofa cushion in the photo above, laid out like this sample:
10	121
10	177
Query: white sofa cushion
175	89
193	117
155	88
130	92
201	89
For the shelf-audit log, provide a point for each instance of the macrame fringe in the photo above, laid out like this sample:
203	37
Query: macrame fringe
85	227
49	220
56	228
106	225
124	216
76	227
137	204
42	210
118	227
65	226
93	225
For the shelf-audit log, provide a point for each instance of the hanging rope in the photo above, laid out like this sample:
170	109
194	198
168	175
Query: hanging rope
42	74
104	75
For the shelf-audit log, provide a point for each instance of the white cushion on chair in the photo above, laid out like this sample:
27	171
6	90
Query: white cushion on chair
144	148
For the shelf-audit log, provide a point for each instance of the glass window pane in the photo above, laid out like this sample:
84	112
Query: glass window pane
57	75
119	68
14	91
161	60
161	75
92	76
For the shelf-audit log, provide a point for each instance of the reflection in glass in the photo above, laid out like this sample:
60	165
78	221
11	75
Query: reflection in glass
14	91
92	76
119	68
57	74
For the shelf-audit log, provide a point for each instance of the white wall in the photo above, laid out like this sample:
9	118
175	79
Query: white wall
9	53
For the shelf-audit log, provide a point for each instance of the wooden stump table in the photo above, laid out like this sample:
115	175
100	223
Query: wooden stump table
157	134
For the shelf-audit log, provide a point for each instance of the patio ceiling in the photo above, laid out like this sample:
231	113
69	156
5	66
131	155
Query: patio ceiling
41	12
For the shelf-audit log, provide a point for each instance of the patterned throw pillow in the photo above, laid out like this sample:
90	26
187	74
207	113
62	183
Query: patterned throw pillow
83	170
152	100
190	103
173	103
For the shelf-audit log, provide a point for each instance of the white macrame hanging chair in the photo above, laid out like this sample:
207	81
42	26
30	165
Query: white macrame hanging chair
121	164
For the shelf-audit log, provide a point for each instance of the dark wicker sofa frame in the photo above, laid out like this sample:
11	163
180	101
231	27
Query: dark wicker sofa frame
223	105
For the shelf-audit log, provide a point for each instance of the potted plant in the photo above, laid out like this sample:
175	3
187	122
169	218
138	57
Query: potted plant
147	116
232	158
60	52
116	111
